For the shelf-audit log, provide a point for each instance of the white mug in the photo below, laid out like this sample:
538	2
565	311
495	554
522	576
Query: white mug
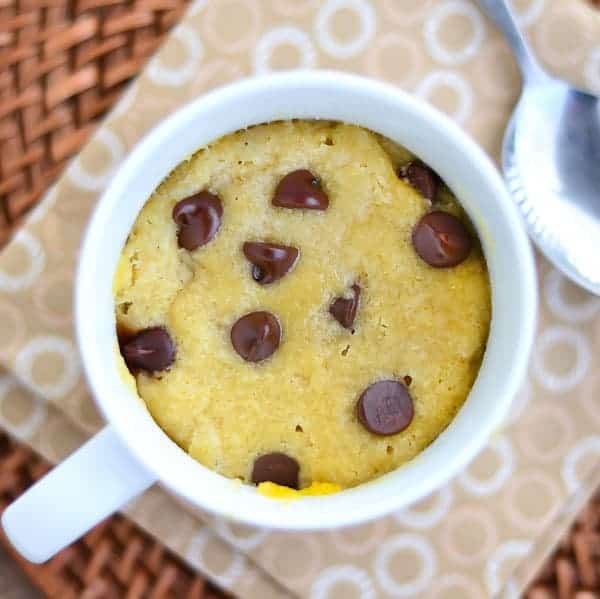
132	452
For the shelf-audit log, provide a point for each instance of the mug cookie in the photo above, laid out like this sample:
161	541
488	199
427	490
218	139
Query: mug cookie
302	301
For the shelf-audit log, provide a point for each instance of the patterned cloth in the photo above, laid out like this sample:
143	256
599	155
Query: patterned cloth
463	541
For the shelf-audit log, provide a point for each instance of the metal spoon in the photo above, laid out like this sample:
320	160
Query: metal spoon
551	161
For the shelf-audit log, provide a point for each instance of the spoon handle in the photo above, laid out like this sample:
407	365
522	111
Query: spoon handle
503	17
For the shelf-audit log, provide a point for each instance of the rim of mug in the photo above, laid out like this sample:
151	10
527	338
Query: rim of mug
215	493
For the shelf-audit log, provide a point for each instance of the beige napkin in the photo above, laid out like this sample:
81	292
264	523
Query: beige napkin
467	539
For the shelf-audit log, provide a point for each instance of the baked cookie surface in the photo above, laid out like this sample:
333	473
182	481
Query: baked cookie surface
421	326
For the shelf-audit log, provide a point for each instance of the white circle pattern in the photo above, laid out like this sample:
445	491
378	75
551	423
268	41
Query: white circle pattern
557	414
503	449
37	260
44	205
10	313
469	518
344	545
553	336
455	581
23	430
455	82
245	543
214	22
39	345
333	575
194	556
560	307
515	548
531	14
550	489
433	25
406	14
344	50
427	519
307	557
95	182
571	460
126	100
65	279
184	72
420	583
279	36
412	58
293	8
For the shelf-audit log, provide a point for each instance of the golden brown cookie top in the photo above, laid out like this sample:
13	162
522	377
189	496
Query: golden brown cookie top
308	317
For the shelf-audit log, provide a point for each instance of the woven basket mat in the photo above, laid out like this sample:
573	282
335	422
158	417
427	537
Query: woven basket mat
60	70
573	571
63	63
115	559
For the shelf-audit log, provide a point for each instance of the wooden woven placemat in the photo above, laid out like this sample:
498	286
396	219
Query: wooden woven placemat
63	63
573	570
115	559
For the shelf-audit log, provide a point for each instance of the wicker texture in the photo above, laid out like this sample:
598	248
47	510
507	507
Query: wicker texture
62	64
573	571
115	559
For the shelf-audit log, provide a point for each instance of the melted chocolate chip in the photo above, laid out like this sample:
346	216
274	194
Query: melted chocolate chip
271	261
422	178
344	309
256	336
276	468
441	240
385	408
300	189
198	218
150	350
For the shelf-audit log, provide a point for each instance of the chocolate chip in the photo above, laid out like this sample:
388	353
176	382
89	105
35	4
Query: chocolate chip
151	349
271	261
344	309
422	178
257	273
407	380
385	408
441	240
198	218
276	468
300	189
256	336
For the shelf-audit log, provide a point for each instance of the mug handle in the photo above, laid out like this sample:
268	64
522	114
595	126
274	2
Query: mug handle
91	484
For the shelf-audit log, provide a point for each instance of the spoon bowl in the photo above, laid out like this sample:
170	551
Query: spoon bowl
551	162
